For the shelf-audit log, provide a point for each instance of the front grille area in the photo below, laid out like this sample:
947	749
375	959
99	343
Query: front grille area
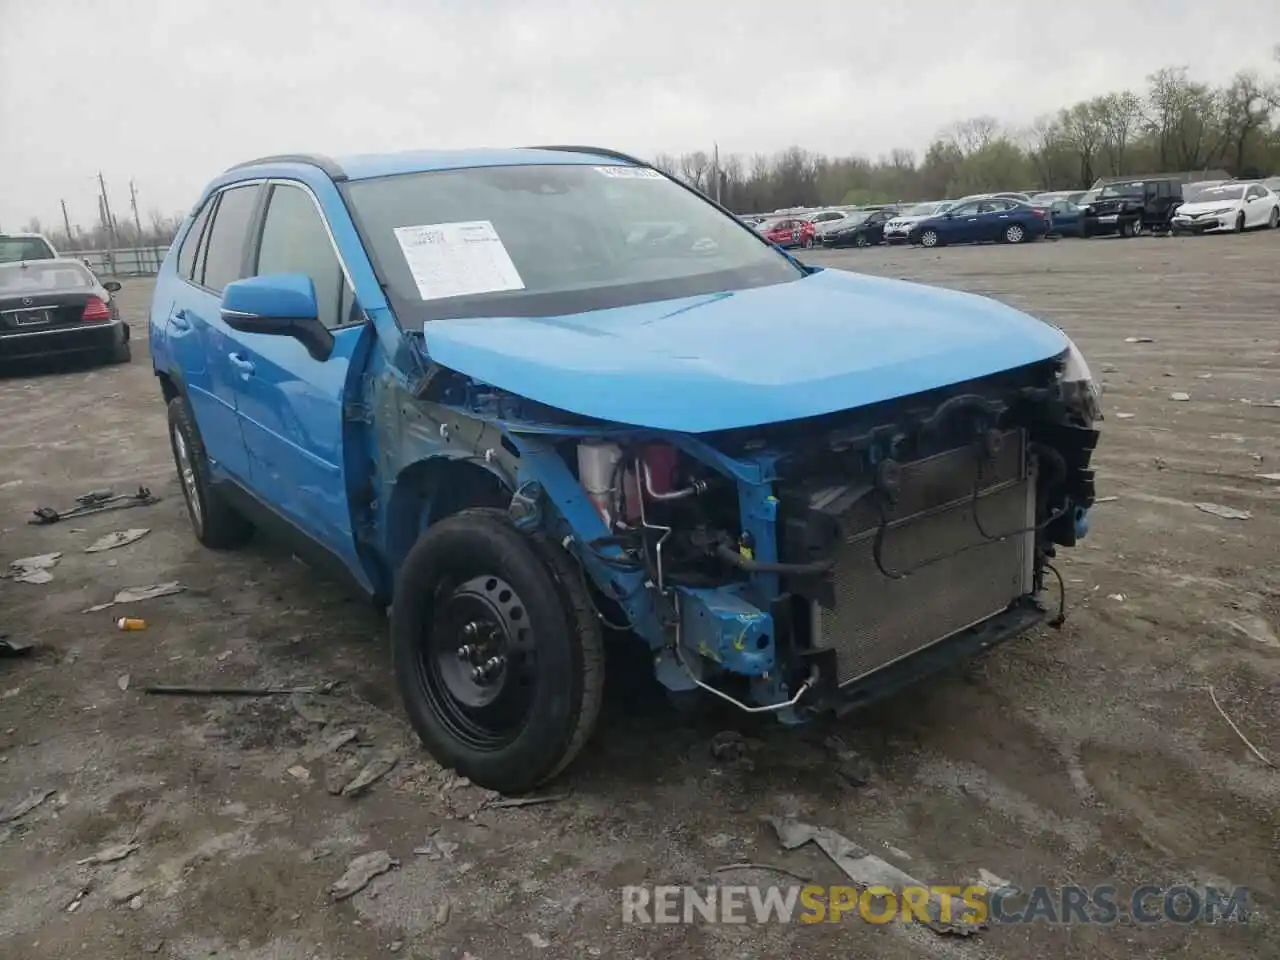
966	577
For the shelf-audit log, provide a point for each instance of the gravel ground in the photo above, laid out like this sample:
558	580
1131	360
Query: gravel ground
1090	755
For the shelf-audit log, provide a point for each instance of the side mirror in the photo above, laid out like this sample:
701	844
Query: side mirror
111	286
279	304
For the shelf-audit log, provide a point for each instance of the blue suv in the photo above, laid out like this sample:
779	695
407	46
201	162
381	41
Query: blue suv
527	398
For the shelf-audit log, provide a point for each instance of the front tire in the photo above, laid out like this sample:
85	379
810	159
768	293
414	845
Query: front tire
1273	220
216	523
862	241
930	239
474	593
1239	227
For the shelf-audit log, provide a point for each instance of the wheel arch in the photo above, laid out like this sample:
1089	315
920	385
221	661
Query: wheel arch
432	488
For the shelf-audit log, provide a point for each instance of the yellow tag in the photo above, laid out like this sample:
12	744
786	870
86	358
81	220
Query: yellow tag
746	551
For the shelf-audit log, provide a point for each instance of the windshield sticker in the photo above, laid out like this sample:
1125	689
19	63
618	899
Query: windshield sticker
457	259
630	173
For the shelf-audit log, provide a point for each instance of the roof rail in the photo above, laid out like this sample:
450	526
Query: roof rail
331	169
599	151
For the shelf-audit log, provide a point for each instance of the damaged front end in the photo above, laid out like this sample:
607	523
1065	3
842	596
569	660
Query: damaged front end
817	564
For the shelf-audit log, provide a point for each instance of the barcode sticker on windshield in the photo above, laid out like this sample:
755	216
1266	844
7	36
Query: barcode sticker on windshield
630	173
457	259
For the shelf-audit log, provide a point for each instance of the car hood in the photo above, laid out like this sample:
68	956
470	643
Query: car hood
828	341
906	221
1204	206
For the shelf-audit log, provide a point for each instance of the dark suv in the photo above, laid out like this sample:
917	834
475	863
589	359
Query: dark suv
1132	207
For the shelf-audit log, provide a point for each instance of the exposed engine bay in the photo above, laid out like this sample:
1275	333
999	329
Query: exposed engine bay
792	564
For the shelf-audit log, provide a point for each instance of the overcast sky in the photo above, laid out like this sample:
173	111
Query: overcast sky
170	92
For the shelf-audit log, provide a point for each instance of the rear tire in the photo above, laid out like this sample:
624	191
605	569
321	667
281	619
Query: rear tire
1015	233
216	523
539	623
121	353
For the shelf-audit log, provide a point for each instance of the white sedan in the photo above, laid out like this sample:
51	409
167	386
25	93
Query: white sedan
899	228
1227	206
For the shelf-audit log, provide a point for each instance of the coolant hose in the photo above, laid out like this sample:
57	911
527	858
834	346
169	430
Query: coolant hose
734	558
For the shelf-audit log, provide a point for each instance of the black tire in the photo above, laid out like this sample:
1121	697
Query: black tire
120	353
563	680
1239	227
862	240
930	238
216	523
1015	233
1273	220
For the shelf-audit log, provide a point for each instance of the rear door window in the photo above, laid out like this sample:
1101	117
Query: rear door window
224	256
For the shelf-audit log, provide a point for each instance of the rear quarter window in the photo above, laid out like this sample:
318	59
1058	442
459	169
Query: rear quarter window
191	242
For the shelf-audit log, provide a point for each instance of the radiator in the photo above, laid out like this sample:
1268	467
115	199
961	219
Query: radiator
877	619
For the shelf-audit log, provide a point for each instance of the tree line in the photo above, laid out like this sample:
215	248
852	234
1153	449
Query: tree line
1175	124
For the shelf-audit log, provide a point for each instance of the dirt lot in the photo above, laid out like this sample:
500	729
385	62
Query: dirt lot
1087	756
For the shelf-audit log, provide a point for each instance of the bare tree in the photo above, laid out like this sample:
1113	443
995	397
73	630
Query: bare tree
1082	130
1120	116
1246	108
974	134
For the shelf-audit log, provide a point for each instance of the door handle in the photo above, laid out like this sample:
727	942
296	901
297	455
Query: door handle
240	363
180	321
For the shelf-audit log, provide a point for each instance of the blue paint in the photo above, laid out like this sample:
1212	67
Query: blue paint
721	625
826	342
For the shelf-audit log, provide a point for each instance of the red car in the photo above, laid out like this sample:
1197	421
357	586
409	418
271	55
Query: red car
791	232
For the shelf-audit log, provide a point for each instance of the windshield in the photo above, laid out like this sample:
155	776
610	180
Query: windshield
13	249
1209	194
43	277
549	239
1133	189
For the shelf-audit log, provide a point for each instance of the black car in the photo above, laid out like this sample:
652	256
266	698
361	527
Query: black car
865	232
58	308
1132	207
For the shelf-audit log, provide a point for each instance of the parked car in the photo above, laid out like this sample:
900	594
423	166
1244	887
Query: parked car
1272	184
1065	212
865	231
1131	207
450	378
1227	206
826	216
791	232
56	307
898	228
25	246
978	221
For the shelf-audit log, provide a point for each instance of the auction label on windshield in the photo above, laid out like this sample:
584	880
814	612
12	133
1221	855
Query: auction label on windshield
630	173
457	259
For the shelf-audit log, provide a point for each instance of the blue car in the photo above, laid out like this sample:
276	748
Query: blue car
478	387
983	220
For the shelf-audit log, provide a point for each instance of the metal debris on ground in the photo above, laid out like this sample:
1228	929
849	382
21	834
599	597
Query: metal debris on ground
122	681
34	569
374	770
135	594
20	808
1180	397
1238	732
95	501
502	802
1226	513
360	871
1125	416
1098	500
187	691
850	765
770	867
109	854
300	773
867	870
1270	477
330	744
131	624
10	647
78	899
120	538
1138	340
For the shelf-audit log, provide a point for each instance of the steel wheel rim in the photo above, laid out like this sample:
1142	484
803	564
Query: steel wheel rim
928	238
479	624
187	477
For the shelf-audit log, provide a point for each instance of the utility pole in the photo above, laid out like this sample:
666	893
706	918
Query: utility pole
715	167
66	222
109	219
133	202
